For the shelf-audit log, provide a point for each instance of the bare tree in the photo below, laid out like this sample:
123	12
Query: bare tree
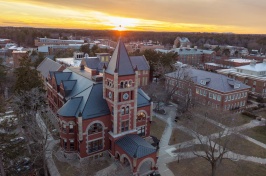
27	105
179	87
212	139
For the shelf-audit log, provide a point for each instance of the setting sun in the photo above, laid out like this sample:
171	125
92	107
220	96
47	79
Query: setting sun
122	24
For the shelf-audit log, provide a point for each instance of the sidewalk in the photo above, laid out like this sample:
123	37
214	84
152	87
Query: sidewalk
49	147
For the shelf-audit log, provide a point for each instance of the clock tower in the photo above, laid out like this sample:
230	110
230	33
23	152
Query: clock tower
120	88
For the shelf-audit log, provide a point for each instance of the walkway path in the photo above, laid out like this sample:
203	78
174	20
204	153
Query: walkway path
50	143
166	154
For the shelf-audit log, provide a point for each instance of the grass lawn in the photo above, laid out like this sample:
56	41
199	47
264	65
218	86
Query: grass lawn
245	147
179	136
65	169
261	113
201	126
157	127
236	120
196	147
200	167
258	133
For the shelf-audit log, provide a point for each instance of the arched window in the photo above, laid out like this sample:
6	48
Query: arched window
141	116
122	84
95	128
123	111
127	110
126	84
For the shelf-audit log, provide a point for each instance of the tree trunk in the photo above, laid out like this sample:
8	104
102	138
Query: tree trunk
213	169
45	167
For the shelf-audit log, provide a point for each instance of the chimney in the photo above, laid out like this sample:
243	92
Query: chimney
82	67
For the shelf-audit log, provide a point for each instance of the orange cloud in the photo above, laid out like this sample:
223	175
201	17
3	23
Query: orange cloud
148	15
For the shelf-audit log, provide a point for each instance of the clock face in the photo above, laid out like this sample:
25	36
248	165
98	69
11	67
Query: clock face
125	96
110	95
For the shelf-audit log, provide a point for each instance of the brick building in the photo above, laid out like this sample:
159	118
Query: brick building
253	75
49	41
191	56
17	55
104	112
227	63
208	88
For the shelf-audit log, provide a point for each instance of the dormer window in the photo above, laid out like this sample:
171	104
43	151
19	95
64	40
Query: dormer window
202	82
236	85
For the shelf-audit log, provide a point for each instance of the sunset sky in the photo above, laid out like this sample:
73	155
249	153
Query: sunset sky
238	16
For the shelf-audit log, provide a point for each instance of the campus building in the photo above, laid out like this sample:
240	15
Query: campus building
191	56
207	88
104	112
253	75
49	41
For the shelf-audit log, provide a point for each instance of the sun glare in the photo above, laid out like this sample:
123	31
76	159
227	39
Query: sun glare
122	24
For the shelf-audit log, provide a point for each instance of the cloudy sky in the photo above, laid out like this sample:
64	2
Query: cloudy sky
238	16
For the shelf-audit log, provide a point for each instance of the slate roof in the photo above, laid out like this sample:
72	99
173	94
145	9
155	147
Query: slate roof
95	63
70	108
120	62
95	106
48	65
135	146
68	86
140	62
213	80
143	99
61	76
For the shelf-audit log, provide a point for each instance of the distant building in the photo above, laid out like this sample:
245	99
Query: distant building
17	55
254	75
140	46
191	56
210	89
236	51
181	42
104	113
3	42
49	41
227	63
53	49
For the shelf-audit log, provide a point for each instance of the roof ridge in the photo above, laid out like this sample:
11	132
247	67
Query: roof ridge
82	91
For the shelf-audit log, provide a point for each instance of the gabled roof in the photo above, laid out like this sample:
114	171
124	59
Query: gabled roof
135	146
48	65
61	76
95	63
143	99
140	62
120	62
68	86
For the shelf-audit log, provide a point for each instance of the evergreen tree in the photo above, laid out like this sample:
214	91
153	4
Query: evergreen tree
26	77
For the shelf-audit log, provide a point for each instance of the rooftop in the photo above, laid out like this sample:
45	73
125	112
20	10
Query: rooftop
135	146
213	81
258	67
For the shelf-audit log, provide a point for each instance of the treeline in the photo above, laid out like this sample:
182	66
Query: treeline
25	36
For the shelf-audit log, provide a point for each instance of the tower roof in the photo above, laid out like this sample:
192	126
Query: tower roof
120	62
